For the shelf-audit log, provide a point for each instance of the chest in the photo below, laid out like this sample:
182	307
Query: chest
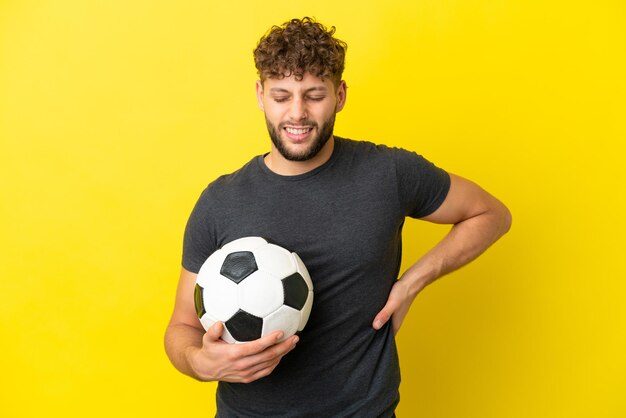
343	218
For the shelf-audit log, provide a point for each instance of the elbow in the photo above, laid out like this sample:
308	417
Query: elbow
506	219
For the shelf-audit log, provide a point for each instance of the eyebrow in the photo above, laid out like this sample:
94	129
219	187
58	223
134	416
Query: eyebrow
321	89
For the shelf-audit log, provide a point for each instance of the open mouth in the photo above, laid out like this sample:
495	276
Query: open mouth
298	131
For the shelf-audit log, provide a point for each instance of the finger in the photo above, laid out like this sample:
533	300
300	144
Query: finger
269	355
266	371
256	375
262	365
266	365
260	345
243	374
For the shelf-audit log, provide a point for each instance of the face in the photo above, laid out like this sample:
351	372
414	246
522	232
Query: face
300	115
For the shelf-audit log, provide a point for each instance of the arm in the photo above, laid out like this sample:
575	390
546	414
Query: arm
204	356
478	219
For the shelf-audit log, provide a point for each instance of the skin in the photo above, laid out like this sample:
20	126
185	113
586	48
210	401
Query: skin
478	220
288	103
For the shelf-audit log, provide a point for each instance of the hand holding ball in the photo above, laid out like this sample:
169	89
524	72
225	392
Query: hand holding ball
254	288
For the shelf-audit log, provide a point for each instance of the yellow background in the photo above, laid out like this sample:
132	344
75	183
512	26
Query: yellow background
114	116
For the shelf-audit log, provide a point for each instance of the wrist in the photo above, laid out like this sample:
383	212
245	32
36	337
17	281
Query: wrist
191	355
417	277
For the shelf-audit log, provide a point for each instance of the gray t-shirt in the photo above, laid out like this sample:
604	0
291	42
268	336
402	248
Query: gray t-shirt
344	219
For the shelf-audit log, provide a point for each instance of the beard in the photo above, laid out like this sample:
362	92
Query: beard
317	143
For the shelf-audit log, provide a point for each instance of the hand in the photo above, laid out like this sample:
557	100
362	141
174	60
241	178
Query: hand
396	308
241	363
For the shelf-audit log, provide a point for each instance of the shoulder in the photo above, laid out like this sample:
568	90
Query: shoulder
377	155
370	148
240	177
362	146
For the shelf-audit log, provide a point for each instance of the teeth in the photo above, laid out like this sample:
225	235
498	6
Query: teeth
295	131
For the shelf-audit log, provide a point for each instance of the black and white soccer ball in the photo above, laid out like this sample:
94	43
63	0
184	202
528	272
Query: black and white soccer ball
254	288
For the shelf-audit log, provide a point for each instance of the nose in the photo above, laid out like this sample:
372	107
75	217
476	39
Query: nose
297	111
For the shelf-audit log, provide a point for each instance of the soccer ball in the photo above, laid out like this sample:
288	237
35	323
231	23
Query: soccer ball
253	288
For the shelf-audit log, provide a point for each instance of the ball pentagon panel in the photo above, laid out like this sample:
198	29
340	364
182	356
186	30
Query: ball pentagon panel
198	300
295	290
244	326
238	265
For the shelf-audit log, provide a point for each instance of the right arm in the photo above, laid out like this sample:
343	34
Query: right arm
204	356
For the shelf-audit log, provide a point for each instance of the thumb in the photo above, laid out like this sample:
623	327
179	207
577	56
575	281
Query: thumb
215	331
383	316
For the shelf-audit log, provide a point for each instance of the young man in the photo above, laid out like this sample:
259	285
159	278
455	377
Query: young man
340	204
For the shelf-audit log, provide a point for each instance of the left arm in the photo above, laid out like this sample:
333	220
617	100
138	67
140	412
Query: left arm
479	220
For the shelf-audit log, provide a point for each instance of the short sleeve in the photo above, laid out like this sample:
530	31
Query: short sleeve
422	186
199	239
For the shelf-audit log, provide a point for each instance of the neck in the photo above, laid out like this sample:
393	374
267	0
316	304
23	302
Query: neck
280	165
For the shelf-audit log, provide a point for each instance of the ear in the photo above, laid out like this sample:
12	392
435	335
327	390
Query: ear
342	91
259	94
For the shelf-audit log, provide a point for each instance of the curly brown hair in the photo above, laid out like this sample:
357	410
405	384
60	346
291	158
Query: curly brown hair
300	46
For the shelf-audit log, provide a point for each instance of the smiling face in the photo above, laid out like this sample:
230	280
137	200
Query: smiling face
300	116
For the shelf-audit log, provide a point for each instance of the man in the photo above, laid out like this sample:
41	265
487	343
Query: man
340	204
